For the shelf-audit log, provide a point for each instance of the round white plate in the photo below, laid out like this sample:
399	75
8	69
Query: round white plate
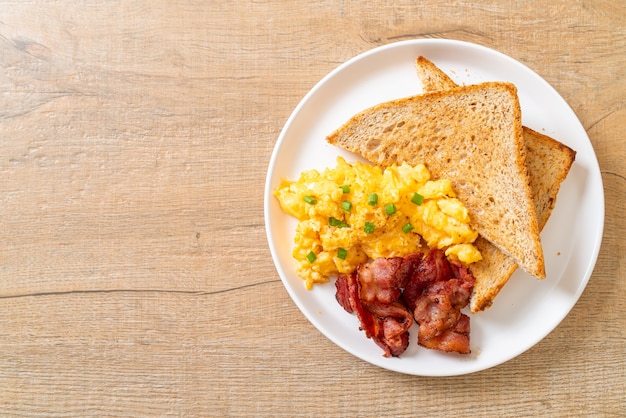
526	310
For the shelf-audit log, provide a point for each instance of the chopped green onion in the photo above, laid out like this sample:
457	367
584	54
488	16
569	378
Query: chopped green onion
342	253
310	200
369	228
311	257
407	228
390	209
345	188
336	222
418	199
345	205
372	200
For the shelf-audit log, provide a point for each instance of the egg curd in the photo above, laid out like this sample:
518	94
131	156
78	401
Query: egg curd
355	212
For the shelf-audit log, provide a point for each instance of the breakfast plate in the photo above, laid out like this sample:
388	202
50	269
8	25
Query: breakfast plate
526	310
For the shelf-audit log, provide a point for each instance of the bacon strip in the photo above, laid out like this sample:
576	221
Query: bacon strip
436	293
373	292
388	294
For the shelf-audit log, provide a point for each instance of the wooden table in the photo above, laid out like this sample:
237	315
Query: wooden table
135	275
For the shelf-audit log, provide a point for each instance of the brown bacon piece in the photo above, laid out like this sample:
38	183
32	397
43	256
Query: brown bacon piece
378	281
452	340
390	332
436	293
346	292
432	288
372	292
430	269
409	264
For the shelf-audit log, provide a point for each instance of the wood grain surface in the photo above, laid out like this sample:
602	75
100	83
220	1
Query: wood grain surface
135	275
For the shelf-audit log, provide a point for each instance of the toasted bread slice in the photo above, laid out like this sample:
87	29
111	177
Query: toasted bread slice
471	135
548	162
431	76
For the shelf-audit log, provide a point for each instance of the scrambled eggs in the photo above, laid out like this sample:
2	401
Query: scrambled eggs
356	212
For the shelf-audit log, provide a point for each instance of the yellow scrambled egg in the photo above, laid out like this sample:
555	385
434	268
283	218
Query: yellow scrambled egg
355	212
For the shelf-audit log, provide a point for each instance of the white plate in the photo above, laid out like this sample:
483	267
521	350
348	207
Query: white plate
526	310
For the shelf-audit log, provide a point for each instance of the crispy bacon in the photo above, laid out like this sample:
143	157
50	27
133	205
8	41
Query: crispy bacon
436	293
347	292
388	294
372	292
378	281
432	268
452	340
409	264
